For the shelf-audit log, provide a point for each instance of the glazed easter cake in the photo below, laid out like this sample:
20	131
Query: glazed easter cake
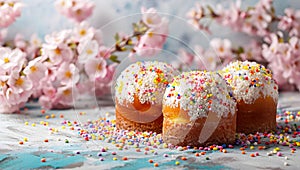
138	92
198	110
256	93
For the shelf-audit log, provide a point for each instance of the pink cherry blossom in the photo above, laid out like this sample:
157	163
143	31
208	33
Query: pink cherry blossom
269	50
95	67
222	47
103	85
56	48
110	71
152	41
46	102
57	53
20	42
295	76
33	47
15	86
234	17
17	98
104	52
19	83
5	60
197	12
86	87
59	98
277	70
65	96
283	59
150	17
84	32
195	15
294	43
9	11
290	21
58	37
260	19
68	74
253	52
287	69
77	10
265	4
37	91
49	91
87	49
278	47
35	41
72	58
35	70
11	60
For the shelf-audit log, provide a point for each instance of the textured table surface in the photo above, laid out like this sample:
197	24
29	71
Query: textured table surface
57	139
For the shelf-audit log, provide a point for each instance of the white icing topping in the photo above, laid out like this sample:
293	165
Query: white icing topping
249	81
199	92
147	80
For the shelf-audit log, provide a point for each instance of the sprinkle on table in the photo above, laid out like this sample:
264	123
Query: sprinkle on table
43	160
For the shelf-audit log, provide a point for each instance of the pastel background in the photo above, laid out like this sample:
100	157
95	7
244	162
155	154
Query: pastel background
41	17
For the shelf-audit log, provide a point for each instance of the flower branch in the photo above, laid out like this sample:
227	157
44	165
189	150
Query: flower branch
275	39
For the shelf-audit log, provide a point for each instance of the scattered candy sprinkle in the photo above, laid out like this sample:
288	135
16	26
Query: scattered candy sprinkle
43	160
284	141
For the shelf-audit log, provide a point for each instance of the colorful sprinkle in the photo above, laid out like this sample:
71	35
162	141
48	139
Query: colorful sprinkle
43	160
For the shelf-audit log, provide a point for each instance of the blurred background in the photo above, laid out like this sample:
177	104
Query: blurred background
41	17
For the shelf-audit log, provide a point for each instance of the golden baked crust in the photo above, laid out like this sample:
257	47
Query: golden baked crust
124	123
259	116
179	130
139	117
